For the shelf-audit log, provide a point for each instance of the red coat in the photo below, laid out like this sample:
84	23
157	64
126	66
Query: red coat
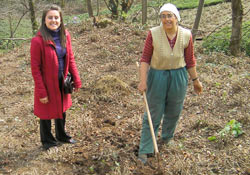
44	68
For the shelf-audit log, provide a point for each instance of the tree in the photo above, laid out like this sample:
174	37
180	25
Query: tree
29	7
237	15
126	5
112	5
10	14
144	11
97	7
90	10
33	17
197	19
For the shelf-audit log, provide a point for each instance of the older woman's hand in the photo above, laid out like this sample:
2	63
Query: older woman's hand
142	86
197	87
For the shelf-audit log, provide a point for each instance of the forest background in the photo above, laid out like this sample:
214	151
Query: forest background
213	133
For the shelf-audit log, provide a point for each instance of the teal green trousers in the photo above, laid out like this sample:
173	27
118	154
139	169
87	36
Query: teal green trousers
166	90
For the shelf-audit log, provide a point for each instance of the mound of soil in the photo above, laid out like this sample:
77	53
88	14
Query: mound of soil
109	87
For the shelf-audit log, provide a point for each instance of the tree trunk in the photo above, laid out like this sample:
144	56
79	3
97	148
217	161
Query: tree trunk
62	2
197	19
90	10
11	26
33	17
237	15
144	11
97	7
11	29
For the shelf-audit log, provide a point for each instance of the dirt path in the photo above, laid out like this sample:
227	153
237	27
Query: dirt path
107	121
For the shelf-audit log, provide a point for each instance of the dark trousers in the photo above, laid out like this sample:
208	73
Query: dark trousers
45	131
45	127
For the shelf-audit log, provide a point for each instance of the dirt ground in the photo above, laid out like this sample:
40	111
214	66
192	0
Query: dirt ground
105	117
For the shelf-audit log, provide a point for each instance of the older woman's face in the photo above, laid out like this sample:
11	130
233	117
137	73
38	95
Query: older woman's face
168	20
53	20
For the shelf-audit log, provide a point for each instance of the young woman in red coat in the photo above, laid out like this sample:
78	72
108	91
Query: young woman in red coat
51	60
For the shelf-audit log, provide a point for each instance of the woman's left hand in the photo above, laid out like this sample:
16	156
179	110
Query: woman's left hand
76	89
197	87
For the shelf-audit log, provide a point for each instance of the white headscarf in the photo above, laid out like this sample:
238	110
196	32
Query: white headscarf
171	8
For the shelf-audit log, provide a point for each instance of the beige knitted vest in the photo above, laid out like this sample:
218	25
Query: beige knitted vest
164	57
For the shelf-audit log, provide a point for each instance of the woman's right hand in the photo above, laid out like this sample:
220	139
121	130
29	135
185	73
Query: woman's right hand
44	100
142	87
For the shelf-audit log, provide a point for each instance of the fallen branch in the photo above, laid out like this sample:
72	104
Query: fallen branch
15	38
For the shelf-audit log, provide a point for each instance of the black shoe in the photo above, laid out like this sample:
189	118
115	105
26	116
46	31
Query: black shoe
47	146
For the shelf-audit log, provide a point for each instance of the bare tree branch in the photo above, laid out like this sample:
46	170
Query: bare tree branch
24	13
218	27
15	38
23	2
107	5
224	24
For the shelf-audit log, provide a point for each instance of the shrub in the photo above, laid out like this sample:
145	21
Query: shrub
232	128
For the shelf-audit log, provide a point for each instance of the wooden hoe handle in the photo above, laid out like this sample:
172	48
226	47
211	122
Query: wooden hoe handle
150	124
150	120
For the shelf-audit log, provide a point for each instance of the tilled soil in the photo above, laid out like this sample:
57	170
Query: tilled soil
105	117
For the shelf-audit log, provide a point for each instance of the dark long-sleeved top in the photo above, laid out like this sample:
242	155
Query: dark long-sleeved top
60	51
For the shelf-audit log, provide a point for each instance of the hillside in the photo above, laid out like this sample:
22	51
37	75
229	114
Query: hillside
105	117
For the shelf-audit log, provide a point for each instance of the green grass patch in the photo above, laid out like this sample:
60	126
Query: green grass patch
220	40
184	4
4	28
74	19
23	31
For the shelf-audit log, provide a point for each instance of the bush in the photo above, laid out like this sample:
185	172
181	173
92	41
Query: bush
232	128
219	41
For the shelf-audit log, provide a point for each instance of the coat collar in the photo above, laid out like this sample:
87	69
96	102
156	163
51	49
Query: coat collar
50	42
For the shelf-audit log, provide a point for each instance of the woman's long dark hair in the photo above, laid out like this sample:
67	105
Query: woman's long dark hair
45	31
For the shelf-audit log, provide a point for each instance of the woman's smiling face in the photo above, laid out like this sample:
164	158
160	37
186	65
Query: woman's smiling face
168	20
53	20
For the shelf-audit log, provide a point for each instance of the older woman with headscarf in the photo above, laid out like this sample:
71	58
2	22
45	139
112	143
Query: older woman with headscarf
167	58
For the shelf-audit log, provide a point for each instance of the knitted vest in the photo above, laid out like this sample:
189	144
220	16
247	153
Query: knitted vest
164	57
